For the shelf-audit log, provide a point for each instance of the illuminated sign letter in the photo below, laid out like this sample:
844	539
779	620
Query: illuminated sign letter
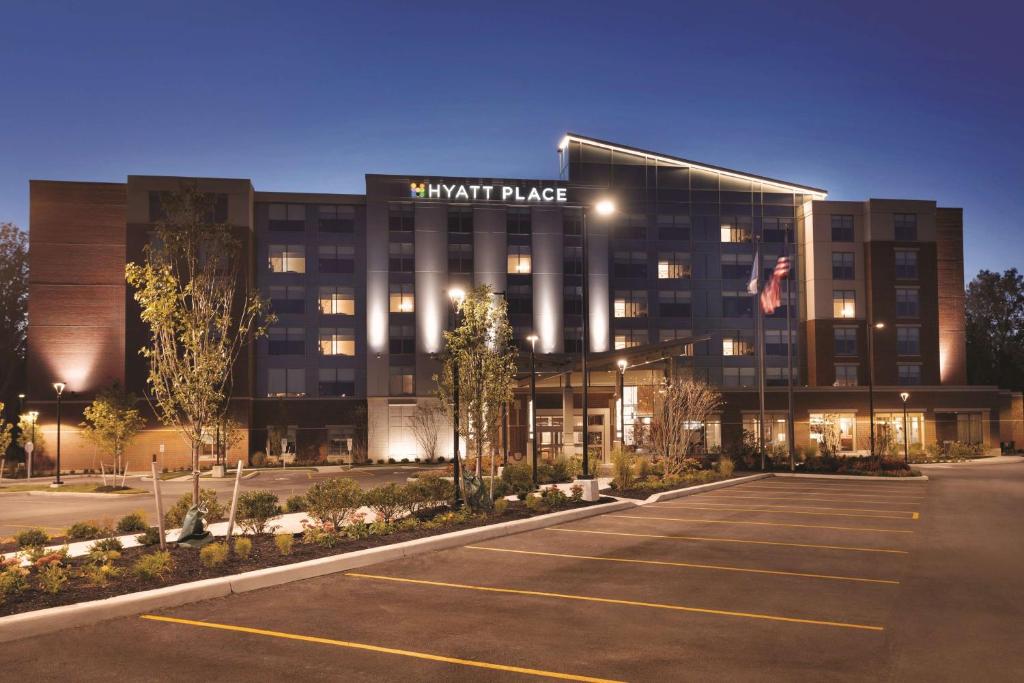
560	194
434	191
534	195
548	193
506	192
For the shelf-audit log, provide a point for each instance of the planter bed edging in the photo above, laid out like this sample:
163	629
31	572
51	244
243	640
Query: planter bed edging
701	488
49	620
858	477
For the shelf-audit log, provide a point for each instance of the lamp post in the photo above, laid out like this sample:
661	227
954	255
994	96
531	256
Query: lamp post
906	437
605	207
622	402
456	296
59	388
533	403
30	447
871	381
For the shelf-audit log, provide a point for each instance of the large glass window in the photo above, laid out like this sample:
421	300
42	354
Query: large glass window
905	227
288	299
517	221
674	303
400	298
775	342
337	301
401	339
844	340
401	259
401	218
572	223
906	264
906	302
519	299
838	428
460	219
842	265
776	229
908	340
519	260
733	346
630	264
737	304
842	228
844	303
738	377
286	341
846	375
287	258
336	382
673	265
625	339
674	227
737	266
573	300
968	428
735	233
915	428
572	263
337	341
287	217
336	258
286	382
631	304
460	259
402	380
337	218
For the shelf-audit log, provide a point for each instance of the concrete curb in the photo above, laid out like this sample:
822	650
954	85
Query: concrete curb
75	494
856	477
53	619
701	488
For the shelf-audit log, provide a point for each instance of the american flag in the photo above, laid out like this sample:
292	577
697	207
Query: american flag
770	299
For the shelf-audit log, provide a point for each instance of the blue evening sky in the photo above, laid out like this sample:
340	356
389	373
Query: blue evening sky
912	100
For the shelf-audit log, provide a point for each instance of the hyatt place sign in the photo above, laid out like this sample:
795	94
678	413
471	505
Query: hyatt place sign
487	193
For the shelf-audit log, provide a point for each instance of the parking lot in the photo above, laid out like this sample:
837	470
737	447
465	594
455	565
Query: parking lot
777	579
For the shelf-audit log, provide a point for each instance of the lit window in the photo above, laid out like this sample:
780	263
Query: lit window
844	303
287	258
403	380
837	429
282	382
625	339
968	428
337	301
736	347
631	304
337	341
519	259
401	299
673	265
735	234
846	375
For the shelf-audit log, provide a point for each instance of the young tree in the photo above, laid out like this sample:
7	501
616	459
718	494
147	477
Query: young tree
227	433
426	426
481	346
112	422
13	305
193	295
680	410
6	432
995	329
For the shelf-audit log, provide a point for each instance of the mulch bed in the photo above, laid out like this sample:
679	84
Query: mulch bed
187	566
643	493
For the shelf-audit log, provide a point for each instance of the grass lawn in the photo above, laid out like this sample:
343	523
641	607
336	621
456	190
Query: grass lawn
66	488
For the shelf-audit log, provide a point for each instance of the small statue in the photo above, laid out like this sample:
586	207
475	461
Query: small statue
193	532
476	493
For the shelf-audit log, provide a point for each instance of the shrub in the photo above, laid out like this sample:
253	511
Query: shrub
12	578
643	468
622	469
284	543
133	521
256	509
324	535
82	531
31	538
333	500
258	459
151	536
49	558
429	491
52	578
500	505
519	478
100	573
388	502
576	493
153	566
296	504
537	504
243	547
726	466
207	498
105	545
213	554
555	498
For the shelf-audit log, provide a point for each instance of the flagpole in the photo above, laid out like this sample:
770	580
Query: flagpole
790	427
759	335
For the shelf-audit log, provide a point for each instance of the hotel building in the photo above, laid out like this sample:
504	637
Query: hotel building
359	285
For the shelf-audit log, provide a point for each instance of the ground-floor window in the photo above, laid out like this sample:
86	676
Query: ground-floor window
774	429
894	422
339	441
968	428
401	442
833	431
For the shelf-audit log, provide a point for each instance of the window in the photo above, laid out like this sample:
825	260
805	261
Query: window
460	259
460	220
776	229
517	221
631	304
840	428
914	424
625	339
905	227
776	377
401	435
401	339
572	223
738	377
968	428
286	341
737	304
674	303
737	266
842	228
844	341
674	227
336	382
340	441
908	340
336	258
400	299
673	265
735	234
337	301
842	265
519	261
283	382
736	347
906	264
289	299
906	302
908	373
572	263
573	300
634	227
287	217
844	303
337	218
337	341
775	342
673	333
573	340
630	264
519	299
287	258
846	375
401	218
402	380
401	259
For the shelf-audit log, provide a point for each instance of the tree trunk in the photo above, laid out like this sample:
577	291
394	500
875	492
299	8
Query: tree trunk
195	474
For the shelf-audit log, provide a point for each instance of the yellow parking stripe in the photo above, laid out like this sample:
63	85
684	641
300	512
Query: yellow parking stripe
662	506
769	507
378	648
688	565
613	601
841	489
733	521
715	539
856	500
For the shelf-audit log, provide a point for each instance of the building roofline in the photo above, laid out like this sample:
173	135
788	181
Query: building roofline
679	161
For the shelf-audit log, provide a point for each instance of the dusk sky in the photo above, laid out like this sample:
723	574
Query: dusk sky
919	102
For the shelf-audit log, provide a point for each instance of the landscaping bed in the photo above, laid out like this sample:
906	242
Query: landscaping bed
71	488
185	565
651	486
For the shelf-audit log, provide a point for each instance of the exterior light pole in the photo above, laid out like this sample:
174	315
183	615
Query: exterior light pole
30	447
604	207
59	388
871	381
622	402
533	403
457	296
906	436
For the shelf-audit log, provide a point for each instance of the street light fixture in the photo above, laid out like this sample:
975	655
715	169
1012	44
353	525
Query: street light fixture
871	380
59	388
622	402
604	207
457	296
533	402
33	416
906	437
